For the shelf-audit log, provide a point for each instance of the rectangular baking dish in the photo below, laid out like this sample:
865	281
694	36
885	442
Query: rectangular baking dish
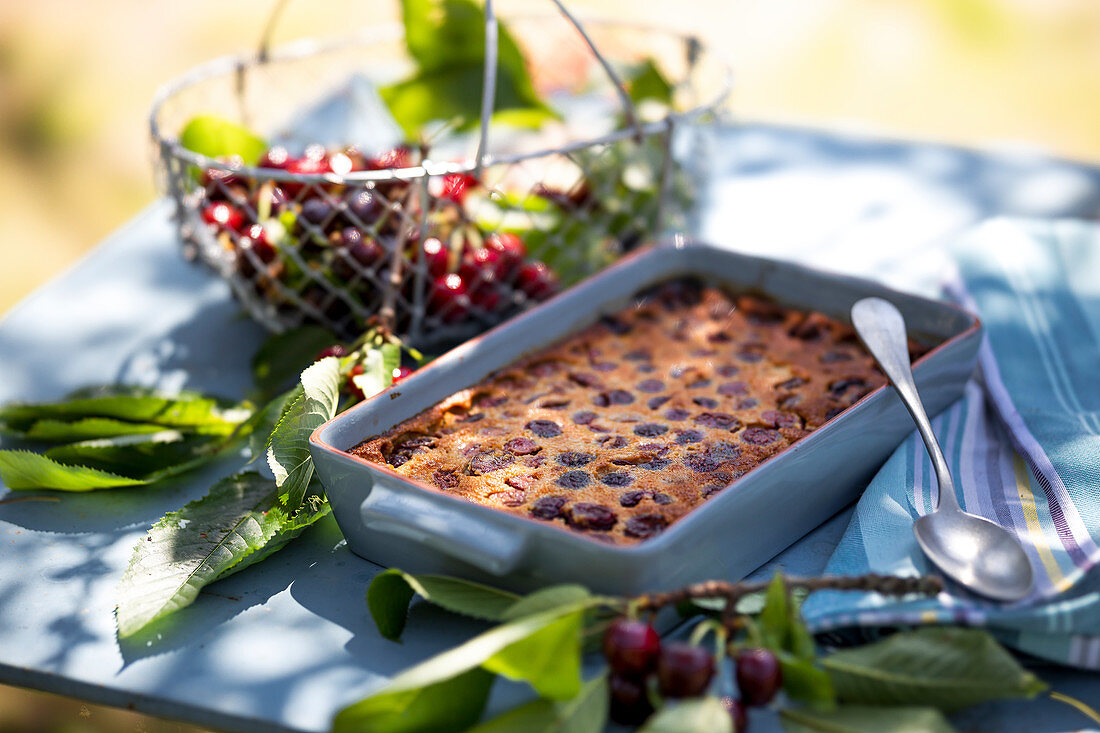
393	521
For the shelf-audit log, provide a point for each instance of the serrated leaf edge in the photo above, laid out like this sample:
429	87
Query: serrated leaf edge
206	556
126	480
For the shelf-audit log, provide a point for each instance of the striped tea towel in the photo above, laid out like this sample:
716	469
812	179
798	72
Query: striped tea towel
1023	445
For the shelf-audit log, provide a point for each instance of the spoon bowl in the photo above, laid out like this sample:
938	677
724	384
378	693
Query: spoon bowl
974	551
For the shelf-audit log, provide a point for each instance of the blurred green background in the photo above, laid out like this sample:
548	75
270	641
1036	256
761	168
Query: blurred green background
76	79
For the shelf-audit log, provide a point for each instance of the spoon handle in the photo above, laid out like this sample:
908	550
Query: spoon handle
882	329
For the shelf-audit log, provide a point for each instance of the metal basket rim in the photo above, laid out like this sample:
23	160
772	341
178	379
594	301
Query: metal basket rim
302	48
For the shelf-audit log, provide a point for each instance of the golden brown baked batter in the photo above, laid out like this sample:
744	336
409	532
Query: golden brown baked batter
622	428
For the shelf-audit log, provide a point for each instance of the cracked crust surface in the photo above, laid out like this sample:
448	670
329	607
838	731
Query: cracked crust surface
621	429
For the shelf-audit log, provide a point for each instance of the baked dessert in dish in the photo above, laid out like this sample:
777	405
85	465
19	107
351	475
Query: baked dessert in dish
624	427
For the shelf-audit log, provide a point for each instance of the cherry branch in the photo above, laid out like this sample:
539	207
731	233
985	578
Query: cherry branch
885	584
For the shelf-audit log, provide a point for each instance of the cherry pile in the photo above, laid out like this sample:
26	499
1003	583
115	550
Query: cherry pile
324	240
644	670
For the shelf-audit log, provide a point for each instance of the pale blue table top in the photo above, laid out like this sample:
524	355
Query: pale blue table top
283	645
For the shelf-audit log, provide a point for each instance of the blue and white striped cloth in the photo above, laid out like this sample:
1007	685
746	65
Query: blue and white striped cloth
1023	445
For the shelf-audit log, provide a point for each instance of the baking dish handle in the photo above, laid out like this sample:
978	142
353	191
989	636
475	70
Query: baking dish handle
484	544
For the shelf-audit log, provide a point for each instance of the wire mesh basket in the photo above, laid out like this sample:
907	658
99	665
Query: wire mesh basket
432	242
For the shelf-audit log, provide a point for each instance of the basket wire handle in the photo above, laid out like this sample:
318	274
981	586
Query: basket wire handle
264	51
488	87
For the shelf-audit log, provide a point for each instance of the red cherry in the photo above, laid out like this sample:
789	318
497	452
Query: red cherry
684	670
511	248
629	702
336	350
224	215
364	207
350	386
315	151
276	157
351	258
215	180
258	236
259	249
537	280
399	157
759	676
481	265
436	257
358	160
340	164
486	297
737	714
448	298
457	185
631	647
400	373
308	164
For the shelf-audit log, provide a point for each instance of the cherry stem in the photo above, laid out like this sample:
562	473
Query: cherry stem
733	592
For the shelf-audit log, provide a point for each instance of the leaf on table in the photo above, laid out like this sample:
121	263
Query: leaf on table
690	716
288	451
944	667
189	548
545	599
88	428
278	362
216	137
548	659
389	594
26	470
452	703
313	509
861	719
149	457
381	710
585	713
131	404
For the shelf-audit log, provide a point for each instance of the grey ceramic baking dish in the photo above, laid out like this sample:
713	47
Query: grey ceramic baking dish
393	521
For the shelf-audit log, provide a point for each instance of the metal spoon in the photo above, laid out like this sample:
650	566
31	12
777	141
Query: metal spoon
974	551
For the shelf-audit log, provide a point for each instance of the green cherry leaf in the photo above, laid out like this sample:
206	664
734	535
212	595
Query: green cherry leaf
647	82
585	713
546	599
452	703
860	719
288	450
805	681
217	137
943	667
88	428
190	548
391	591
383	710
26	470
549	659
690	716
